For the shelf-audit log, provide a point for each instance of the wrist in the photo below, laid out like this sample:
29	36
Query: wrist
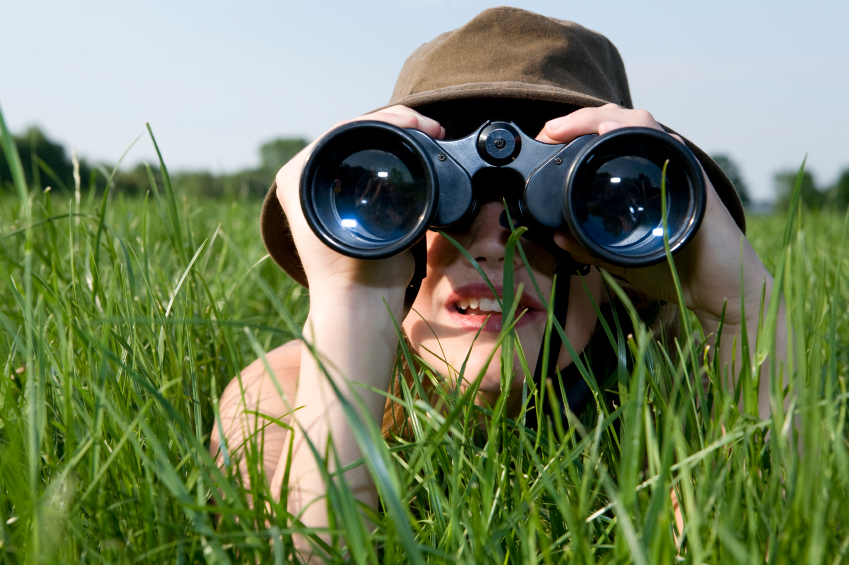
354	323
354	337
343	301
344	283
745	308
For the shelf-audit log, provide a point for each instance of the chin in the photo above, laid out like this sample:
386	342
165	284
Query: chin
490	384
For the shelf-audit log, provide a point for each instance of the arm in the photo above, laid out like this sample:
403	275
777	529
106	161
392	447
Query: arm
709	268
254	392
729	349
356	341
350	328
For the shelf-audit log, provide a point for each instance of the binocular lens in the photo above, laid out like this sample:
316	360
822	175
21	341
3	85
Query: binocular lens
368	191
376	196
616	197
620	202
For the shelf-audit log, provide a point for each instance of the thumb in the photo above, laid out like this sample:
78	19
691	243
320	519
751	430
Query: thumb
569	243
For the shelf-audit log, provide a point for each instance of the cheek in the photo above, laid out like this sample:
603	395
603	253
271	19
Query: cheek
440	252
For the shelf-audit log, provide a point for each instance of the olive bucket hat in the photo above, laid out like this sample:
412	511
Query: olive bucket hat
504	53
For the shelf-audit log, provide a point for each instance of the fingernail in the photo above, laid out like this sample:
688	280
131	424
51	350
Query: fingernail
558	123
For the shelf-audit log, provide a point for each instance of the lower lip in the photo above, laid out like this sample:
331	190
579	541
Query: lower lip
494	323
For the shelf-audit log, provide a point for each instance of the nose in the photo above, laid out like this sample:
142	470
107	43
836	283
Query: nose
487	238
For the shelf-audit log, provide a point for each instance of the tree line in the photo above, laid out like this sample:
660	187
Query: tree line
47	163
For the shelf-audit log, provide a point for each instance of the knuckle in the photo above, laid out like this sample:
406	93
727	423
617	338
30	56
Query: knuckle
644	116
584	111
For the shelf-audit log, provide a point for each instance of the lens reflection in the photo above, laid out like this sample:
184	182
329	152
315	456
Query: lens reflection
619	203
376	196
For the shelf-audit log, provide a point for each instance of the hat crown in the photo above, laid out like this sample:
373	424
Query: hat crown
505	50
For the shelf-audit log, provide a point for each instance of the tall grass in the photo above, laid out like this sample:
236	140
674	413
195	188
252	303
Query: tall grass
123	319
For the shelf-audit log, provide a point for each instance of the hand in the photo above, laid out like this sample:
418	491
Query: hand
709	267
331	272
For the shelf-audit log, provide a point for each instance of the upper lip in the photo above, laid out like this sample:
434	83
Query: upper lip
527	301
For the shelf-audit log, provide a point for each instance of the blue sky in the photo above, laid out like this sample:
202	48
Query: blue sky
766	82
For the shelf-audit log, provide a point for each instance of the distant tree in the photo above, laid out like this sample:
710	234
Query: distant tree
785	181
135	180
200	183
839	193
45	162
241	184
40	155
732	171
277	153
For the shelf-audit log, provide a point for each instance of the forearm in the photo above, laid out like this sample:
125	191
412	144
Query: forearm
356	343
730	347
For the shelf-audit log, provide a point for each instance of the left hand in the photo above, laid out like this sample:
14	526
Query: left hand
709	267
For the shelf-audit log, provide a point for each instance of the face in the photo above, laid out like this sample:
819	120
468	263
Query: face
454	302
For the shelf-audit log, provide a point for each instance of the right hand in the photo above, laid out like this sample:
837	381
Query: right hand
332	273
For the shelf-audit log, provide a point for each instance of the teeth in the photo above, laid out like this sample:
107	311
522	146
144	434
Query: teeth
482	304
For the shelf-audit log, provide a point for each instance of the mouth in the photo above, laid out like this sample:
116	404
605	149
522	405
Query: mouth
478	306
474	306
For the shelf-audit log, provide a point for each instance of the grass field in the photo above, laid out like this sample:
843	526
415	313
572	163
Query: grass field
123	319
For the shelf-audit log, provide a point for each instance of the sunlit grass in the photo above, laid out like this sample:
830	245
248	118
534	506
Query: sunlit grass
123	319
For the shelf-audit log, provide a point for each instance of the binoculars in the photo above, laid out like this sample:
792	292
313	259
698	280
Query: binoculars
371	190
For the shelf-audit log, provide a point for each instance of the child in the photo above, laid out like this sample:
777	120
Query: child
556	80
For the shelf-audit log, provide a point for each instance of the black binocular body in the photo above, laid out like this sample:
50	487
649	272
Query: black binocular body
371	190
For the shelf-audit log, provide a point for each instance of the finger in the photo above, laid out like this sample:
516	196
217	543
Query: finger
677	138
415	120
403	120
567	242
605	127
543	137
400	119
588	120
424	121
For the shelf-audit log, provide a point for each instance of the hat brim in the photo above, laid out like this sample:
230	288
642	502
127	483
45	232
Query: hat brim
507	90
277	237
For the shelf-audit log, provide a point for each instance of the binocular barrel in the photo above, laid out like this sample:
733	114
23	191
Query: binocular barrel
371	190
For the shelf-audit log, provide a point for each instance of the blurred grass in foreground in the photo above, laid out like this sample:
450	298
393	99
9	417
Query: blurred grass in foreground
123	319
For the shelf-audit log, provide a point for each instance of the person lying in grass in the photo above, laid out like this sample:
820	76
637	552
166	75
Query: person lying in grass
554	79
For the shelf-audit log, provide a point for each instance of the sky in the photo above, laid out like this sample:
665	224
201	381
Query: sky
764	82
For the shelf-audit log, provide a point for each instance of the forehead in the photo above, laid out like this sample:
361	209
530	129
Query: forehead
462	117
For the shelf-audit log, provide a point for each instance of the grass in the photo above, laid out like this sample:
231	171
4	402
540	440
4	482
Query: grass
123	319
